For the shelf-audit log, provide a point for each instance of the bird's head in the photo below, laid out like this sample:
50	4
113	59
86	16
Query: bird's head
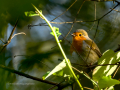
79	35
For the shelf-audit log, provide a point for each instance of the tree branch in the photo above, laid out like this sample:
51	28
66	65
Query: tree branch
59	85
26	75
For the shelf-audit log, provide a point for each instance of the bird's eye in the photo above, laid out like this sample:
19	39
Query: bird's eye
80	34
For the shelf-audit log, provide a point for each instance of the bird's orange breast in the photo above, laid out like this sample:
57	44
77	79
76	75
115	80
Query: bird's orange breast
77	44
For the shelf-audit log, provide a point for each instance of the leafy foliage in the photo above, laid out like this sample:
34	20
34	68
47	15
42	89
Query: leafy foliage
101	74
107	81
60	70
56	31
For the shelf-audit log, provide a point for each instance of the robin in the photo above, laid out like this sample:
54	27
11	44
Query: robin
85	47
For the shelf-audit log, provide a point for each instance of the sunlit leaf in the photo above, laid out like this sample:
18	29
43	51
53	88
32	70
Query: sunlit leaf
65	73
116	59
109	57
57	68
61	70
107	81
56	31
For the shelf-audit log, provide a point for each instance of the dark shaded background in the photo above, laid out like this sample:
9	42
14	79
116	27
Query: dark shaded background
33	51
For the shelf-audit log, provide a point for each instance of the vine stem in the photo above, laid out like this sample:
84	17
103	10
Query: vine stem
57	40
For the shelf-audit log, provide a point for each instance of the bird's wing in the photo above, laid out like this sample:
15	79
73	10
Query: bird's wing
94	47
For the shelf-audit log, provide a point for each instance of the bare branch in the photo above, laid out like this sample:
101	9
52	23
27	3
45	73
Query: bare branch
26	75
115	10
10	37
18	34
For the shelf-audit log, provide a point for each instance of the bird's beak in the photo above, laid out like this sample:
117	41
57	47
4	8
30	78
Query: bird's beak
73	35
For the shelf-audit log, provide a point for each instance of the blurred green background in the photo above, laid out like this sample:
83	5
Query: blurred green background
33	53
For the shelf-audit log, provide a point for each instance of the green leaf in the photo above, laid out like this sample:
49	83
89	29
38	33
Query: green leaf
31	13
65	73
56	31
60	70
116	59
56	69
109	57
107	81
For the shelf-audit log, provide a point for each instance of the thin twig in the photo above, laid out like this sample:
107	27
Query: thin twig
116	71
75	19
10	37
115	10
18	34
65	11
41	24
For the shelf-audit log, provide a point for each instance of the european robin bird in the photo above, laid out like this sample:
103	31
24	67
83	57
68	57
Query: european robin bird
86	47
